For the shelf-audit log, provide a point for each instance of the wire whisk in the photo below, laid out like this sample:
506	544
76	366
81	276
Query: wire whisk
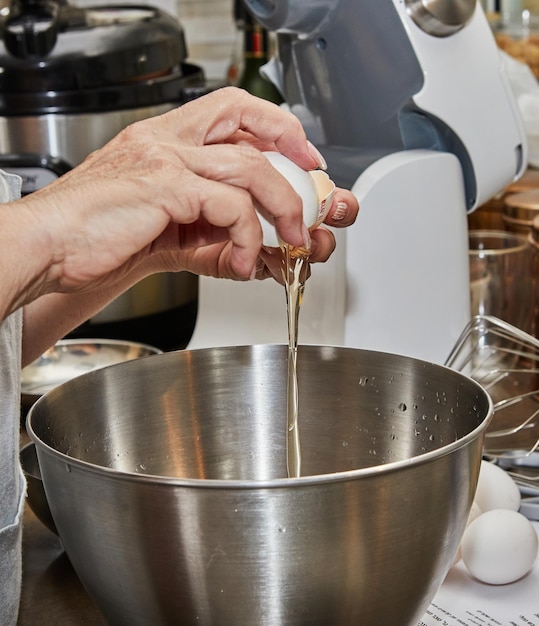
505	361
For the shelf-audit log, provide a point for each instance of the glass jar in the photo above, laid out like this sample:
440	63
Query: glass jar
517	33
520	210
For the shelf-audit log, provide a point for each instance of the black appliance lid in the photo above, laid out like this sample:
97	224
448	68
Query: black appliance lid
55	57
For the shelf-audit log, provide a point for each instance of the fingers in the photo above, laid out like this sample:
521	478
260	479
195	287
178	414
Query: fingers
269	265
344	209
225	212
197	164
246	168
270	260
322	245
230	113
220	115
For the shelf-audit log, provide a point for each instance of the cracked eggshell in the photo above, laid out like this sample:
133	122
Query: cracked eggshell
315	189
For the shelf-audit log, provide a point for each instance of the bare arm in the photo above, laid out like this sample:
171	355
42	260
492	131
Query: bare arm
51	317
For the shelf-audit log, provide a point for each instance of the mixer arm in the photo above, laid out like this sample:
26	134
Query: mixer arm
372	77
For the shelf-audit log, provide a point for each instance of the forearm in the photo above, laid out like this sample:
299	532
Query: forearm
52	316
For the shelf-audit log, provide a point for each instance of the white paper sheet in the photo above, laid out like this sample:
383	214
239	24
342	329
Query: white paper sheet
463	601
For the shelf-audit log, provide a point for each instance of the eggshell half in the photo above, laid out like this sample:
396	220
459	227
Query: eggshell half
315	189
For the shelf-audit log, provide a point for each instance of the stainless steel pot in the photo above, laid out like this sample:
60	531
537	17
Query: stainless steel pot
166	478
71	78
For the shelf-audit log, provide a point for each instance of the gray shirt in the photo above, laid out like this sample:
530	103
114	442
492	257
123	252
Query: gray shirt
12	486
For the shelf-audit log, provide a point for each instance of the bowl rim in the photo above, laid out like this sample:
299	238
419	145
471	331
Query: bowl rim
253	484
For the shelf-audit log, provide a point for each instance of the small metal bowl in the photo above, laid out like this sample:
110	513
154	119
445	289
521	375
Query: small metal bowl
35	492
69	358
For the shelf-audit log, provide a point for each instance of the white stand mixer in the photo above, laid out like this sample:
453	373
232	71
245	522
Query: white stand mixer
409	103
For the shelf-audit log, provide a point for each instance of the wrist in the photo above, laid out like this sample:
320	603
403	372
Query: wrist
24	256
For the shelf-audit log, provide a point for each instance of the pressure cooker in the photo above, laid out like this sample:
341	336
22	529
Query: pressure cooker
70	79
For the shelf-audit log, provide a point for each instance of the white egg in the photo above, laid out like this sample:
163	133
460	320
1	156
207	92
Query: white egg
475	512
496	489
499	547
314	188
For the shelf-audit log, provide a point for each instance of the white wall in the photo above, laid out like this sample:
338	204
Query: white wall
208	25
210	33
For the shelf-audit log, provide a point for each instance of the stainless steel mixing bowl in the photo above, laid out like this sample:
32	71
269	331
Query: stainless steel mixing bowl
166	478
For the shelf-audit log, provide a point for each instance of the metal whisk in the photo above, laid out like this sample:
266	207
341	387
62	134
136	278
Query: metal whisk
505	361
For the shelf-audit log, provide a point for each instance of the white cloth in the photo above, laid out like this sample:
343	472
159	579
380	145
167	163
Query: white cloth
12	485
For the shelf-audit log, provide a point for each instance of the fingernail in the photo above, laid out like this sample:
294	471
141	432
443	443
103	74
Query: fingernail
269	250
253	271
314	152
340	211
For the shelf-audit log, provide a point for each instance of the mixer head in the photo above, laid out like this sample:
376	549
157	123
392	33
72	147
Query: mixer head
371	77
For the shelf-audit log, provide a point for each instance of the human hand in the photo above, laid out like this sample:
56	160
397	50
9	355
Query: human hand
342	213
176	192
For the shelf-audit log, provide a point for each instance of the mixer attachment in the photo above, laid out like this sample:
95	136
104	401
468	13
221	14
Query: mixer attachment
505	361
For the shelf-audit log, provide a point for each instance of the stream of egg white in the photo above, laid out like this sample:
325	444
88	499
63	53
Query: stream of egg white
294	272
